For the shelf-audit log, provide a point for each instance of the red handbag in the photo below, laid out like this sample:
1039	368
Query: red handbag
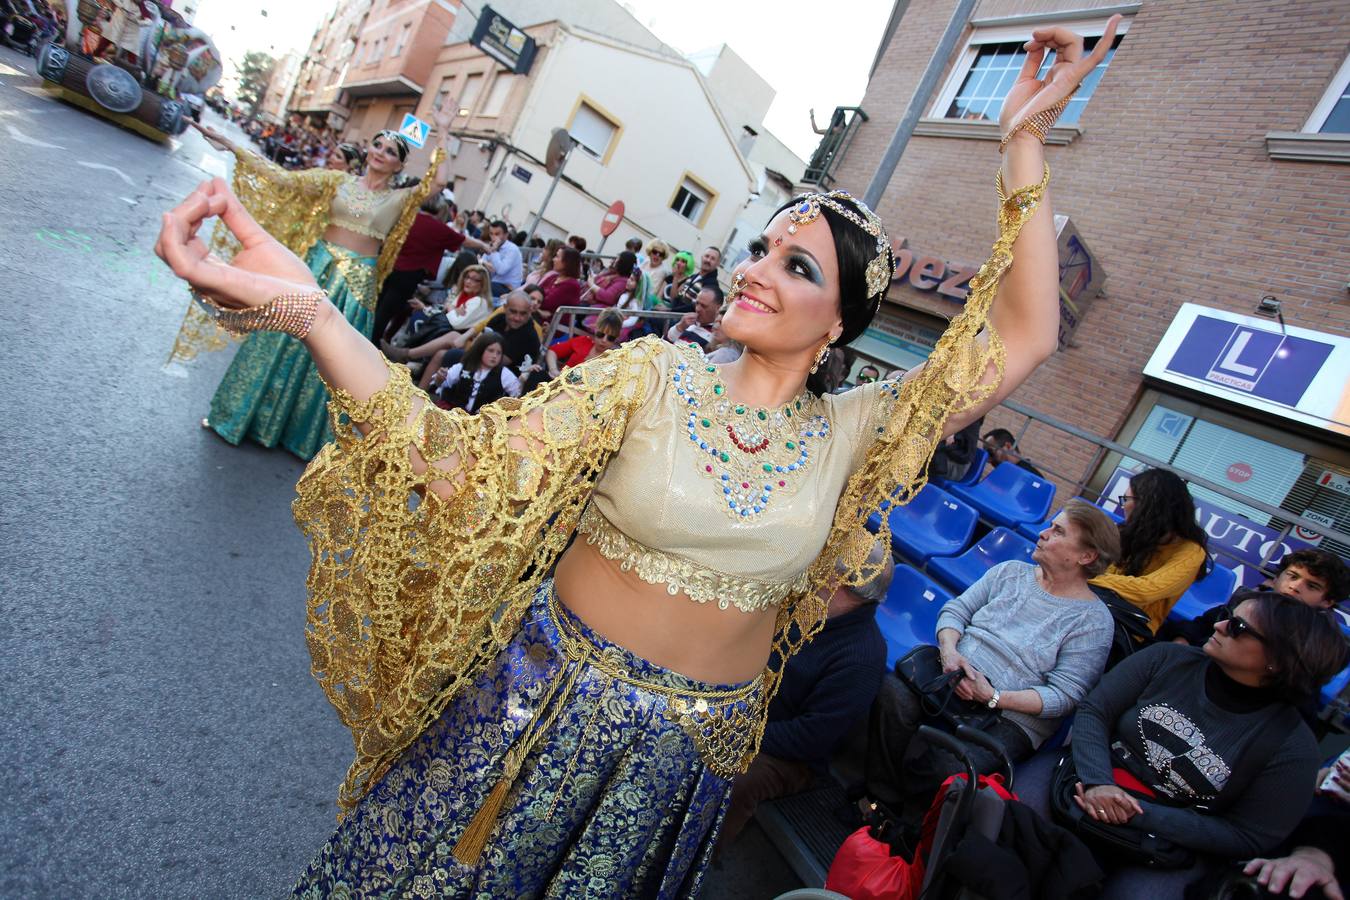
864	869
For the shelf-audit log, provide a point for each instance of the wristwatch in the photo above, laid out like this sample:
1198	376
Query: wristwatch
993	701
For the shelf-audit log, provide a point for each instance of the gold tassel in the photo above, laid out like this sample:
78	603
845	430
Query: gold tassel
469	848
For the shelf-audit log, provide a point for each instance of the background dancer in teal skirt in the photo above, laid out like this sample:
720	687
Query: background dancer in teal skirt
348	228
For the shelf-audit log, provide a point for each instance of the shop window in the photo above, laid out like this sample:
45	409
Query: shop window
593	131
1253	460
690	200
496	98
1332	114
988	67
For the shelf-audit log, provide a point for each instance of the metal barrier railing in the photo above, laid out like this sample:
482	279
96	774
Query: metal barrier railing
1104	446
576	314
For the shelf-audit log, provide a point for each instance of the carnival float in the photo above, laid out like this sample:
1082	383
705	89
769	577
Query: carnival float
134	62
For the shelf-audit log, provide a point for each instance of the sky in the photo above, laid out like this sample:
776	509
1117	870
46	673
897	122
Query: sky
811	59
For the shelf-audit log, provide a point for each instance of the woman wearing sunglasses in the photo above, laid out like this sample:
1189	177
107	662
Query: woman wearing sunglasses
1160	743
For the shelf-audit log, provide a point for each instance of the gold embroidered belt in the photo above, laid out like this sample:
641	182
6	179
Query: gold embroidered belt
700	584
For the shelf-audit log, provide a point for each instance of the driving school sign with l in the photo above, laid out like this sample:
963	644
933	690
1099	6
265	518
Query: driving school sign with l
414	129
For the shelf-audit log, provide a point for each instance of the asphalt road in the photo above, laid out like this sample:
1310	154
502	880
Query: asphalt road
163	737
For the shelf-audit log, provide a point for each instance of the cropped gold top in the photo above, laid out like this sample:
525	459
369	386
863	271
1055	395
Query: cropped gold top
721	501
372	213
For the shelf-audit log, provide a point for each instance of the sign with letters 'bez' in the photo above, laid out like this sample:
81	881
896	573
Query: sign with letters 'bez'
1080	276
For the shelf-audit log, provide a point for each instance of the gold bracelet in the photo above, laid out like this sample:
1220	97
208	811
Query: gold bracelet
292	314
1039	123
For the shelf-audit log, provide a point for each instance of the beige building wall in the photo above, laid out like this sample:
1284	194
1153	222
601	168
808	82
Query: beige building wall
645	163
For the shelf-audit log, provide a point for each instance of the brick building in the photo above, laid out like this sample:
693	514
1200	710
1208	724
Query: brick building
1204	166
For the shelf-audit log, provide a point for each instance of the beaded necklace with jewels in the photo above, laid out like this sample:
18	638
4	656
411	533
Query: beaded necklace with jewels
360	199
751	453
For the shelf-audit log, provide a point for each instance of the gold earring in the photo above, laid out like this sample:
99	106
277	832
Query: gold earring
821	355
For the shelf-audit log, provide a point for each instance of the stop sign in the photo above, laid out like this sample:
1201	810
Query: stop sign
613	216
1239	472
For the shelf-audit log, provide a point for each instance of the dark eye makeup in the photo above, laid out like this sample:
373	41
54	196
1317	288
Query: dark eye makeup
797	263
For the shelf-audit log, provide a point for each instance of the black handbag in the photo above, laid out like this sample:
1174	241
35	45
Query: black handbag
921	669
1132	631
1135	846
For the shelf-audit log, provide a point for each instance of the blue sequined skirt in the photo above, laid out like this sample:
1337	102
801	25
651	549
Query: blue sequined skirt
614	796
271	393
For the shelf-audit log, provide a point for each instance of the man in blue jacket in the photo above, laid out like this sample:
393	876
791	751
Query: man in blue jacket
827	689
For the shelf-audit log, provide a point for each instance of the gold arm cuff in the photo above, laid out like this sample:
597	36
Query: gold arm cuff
292	314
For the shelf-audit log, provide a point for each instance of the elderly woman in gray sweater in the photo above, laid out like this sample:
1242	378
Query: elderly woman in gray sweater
1029	641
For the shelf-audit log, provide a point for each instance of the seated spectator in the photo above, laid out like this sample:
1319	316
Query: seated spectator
1318	849
504	262
545	262
682	273
722	349
696	327
634	246
1312	576
1002	447
520	334
478	379
579	349
562	286
611	284
472	304
429	239
826	691
521	338
656	269
1173	724
535	294
953	457
868	374
1163	550
576	242
706	277
1029	641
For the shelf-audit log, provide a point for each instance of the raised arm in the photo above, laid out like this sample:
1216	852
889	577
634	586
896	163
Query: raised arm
1025	312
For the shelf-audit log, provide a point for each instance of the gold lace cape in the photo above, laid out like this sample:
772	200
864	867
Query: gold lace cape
295	208
410	595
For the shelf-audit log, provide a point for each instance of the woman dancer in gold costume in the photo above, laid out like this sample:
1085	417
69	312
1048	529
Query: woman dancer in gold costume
539	719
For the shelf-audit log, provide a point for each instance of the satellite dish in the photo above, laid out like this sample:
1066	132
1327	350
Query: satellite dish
559	145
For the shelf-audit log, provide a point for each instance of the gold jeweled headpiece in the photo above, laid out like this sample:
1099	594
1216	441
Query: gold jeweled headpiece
806	209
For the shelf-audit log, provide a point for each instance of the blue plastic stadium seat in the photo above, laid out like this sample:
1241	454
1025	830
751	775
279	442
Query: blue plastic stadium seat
908	615
972	475
932	524
1009	496
1205	594
999	545
1330	691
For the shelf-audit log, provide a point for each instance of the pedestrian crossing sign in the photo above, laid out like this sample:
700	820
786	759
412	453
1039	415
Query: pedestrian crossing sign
414	129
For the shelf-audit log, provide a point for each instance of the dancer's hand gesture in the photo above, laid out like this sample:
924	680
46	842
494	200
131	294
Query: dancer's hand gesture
1029	94
262	270
213	137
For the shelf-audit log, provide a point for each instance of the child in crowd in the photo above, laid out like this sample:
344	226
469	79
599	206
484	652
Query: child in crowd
1313	576
480	378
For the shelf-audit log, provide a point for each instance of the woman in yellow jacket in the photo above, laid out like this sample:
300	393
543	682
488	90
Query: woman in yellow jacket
1163	549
